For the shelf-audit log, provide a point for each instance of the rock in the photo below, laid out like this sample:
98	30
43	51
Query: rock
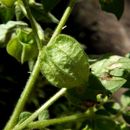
100	31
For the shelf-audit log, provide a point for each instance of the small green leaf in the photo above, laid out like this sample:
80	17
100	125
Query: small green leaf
22	45
37	11
64	63
113	84
14	48
8	3
43	115
18	11
113	6
23	116
113	72
6	13
117	72
6	30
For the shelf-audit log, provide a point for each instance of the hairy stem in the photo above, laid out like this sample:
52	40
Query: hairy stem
45	123
63	20
34	75
33	24
43	107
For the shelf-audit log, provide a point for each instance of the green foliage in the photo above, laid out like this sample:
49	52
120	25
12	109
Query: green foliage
86	96
22	45
43	115
6	31
112	71
88	87
42	14
38	11
102	123
64	63
8	3
6	13
23	116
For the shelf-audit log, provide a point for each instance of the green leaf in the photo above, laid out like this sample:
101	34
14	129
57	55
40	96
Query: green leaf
49	4
37	11
113	72
40	14
64	63
14	48
6	13
8	3
23	116
18	11
102	123
113	84
22	46
103	65
125	62
125	99
87	95
6	30
43	115
113	6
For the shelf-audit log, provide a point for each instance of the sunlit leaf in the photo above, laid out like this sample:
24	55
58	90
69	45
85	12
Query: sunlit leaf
22	46
64	63
112	71
6	30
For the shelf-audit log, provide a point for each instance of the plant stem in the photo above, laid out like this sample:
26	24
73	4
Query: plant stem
45	123
24	96
43	107
34	75
33	24
63	20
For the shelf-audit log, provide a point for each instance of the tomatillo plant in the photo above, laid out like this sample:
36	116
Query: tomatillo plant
63	63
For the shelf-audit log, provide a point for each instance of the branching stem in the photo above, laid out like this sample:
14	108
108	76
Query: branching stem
45	123
33	24
43	107
24	96
63	20
34	75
